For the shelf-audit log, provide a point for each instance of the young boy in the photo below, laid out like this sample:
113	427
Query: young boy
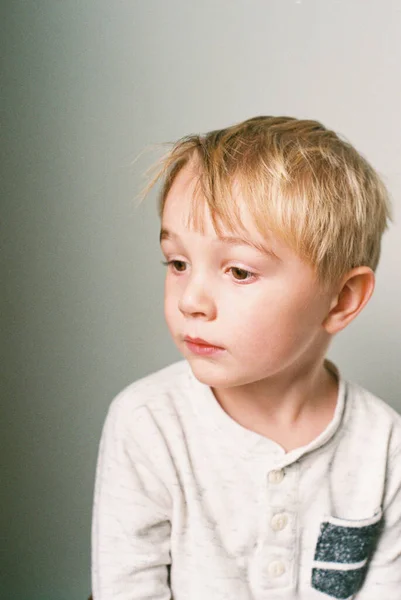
252	469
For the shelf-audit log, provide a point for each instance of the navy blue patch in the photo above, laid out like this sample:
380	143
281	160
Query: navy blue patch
344	544
338	584
341	544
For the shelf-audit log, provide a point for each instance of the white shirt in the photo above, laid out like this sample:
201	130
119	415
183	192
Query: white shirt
190	505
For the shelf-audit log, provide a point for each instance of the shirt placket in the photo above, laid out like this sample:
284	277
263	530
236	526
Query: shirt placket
276	556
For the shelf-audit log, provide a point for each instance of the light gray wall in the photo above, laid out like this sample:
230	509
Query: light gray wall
87	85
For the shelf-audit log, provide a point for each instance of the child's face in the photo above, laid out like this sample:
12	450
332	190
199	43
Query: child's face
266	311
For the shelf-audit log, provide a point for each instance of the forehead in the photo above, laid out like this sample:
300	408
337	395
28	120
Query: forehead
186	209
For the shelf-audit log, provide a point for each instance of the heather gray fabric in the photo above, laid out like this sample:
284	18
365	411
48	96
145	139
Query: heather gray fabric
187	496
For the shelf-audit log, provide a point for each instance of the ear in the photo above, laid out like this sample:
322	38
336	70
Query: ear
356	288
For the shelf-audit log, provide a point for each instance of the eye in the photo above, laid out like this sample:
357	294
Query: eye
174	263
242	274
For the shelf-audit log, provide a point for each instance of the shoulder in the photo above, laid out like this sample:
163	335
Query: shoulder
142	417
153	388
157	389
375	416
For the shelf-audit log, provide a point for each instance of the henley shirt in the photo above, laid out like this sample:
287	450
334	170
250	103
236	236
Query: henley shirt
191	505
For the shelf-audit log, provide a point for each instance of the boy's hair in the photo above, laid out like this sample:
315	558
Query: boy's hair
299	181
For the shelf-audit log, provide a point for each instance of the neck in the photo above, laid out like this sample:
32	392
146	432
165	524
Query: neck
283	400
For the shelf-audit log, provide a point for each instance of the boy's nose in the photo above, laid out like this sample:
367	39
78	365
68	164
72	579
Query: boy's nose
197	299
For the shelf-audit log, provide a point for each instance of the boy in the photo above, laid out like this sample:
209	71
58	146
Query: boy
251	469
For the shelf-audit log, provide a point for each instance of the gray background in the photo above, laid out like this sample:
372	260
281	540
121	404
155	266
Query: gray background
86	86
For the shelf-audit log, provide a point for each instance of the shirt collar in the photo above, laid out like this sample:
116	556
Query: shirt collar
230	434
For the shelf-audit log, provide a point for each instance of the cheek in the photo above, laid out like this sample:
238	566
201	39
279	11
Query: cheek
169	306
278	320
172	313
168	302
171	289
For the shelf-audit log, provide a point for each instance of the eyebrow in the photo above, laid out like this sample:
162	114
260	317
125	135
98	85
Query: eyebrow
166	234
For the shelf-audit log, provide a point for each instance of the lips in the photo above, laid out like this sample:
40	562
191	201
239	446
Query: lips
200	342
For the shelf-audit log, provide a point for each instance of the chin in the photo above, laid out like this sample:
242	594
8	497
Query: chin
218	375
212	373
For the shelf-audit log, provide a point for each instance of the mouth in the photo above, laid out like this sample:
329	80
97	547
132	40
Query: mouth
201	342
202	347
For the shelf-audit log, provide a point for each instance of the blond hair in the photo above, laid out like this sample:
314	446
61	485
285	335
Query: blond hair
299	181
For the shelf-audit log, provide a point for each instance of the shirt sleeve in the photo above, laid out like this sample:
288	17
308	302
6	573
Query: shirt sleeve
130	520
383	578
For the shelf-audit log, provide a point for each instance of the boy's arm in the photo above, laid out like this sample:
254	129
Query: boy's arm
383	578
130	521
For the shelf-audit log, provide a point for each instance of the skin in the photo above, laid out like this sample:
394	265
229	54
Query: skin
269	313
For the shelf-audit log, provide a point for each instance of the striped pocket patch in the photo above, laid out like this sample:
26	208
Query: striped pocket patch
342	552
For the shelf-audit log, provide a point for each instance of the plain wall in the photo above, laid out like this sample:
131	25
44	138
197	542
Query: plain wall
86	86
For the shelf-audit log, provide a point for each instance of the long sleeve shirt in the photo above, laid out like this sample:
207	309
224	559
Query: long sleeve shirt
190	505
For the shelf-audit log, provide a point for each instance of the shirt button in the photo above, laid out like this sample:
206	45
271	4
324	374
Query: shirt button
279	521
276	568
276	476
